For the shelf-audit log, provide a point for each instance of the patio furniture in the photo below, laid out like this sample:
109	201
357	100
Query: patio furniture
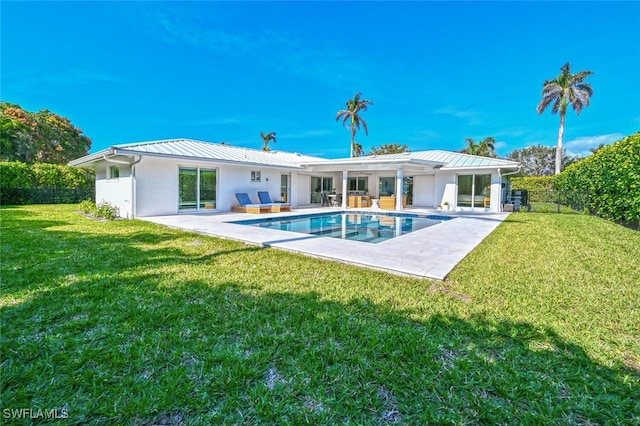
265	198
247	206
389	203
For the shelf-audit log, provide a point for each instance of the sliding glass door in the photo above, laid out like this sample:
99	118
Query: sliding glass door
196	188
320	184
474	191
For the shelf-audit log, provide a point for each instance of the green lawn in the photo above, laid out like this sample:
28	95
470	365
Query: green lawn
128	322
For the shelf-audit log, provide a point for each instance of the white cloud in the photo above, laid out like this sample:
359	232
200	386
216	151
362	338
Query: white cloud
580	146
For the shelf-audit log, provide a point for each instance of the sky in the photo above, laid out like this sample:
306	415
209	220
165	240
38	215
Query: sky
437	72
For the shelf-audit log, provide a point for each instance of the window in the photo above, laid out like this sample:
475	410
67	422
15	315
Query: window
114	172
386	187
360	183
255	176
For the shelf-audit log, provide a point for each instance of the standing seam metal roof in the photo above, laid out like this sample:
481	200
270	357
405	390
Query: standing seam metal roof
211	151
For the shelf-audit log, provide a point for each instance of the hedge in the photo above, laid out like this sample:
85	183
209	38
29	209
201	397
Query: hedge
611	177
21	183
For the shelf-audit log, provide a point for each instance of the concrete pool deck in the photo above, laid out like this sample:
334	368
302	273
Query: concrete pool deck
428	253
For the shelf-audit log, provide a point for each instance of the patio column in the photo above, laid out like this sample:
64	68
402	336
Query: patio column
399	178
345	175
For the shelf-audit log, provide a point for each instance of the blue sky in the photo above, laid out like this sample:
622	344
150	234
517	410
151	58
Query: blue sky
437	72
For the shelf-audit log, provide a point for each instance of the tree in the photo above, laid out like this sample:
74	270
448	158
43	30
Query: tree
486	147
42	137
358	151
269	137
538	160
352	115
389	148
566	89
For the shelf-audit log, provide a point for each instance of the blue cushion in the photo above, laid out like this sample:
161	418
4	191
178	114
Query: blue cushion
264	197
243	198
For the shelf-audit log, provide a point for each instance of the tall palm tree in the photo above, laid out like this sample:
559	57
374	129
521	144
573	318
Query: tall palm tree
566	89
352	116
269	137
358	151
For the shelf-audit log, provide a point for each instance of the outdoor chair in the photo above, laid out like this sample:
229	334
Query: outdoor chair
247	206
265	198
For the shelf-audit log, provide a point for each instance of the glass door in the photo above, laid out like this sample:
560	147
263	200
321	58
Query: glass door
407	189
196	188
284	188
320	185
316	190
188	188
207	189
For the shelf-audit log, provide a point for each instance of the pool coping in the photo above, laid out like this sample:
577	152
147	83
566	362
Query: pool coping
431	252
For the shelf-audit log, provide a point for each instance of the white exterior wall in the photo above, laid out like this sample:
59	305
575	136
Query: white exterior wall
116	191
157	184
423	191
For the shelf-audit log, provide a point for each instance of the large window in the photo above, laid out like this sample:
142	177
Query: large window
474	191
358	183
320	184
197	188
387	186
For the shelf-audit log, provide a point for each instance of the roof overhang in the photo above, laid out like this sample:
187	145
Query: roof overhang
367	163
105	155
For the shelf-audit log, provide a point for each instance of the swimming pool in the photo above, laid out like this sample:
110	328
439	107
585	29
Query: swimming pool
365	227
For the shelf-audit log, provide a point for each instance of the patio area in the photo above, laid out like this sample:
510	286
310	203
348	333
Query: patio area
428	253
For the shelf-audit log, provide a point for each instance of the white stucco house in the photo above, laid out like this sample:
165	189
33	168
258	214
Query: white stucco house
182	175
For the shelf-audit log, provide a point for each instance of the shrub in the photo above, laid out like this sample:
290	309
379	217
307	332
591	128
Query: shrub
611	178
103	210
107	211
21	183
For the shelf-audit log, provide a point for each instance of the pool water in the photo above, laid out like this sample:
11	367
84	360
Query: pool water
370	228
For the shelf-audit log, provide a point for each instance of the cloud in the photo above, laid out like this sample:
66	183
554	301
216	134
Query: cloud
580	146
472	116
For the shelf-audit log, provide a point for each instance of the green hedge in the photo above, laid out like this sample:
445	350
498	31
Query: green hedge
611	177
21	183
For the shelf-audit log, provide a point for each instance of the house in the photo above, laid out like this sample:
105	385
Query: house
182	175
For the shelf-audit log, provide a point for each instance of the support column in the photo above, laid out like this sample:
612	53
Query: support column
345	199
399	178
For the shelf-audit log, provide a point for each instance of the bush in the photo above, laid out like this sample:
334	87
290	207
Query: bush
43	183
611	178
103	210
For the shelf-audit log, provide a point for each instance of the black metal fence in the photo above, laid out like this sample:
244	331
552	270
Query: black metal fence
16	196
558	202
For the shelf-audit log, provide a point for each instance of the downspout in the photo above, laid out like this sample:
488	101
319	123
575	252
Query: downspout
134	203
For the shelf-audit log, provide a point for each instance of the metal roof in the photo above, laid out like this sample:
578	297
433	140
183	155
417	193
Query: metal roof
198	150
207	151
444	159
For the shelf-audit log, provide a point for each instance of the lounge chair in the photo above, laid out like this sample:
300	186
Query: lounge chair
265	198
246	206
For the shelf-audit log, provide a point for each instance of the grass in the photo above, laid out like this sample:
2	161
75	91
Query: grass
129	322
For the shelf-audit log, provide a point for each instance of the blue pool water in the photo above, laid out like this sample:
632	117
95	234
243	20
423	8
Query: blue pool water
370	228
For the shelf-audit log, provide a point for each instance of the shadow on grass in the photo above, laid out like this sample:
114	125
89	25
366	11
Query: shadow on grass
126	342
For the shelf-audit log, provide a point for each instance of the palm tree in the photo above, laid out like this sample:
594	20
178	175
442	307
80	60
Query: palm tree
566	89
486	147
269	137
351	115
358	151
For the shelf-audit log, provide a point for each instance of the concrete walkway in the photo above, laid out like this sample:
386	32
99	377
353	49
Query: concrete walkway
431	252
